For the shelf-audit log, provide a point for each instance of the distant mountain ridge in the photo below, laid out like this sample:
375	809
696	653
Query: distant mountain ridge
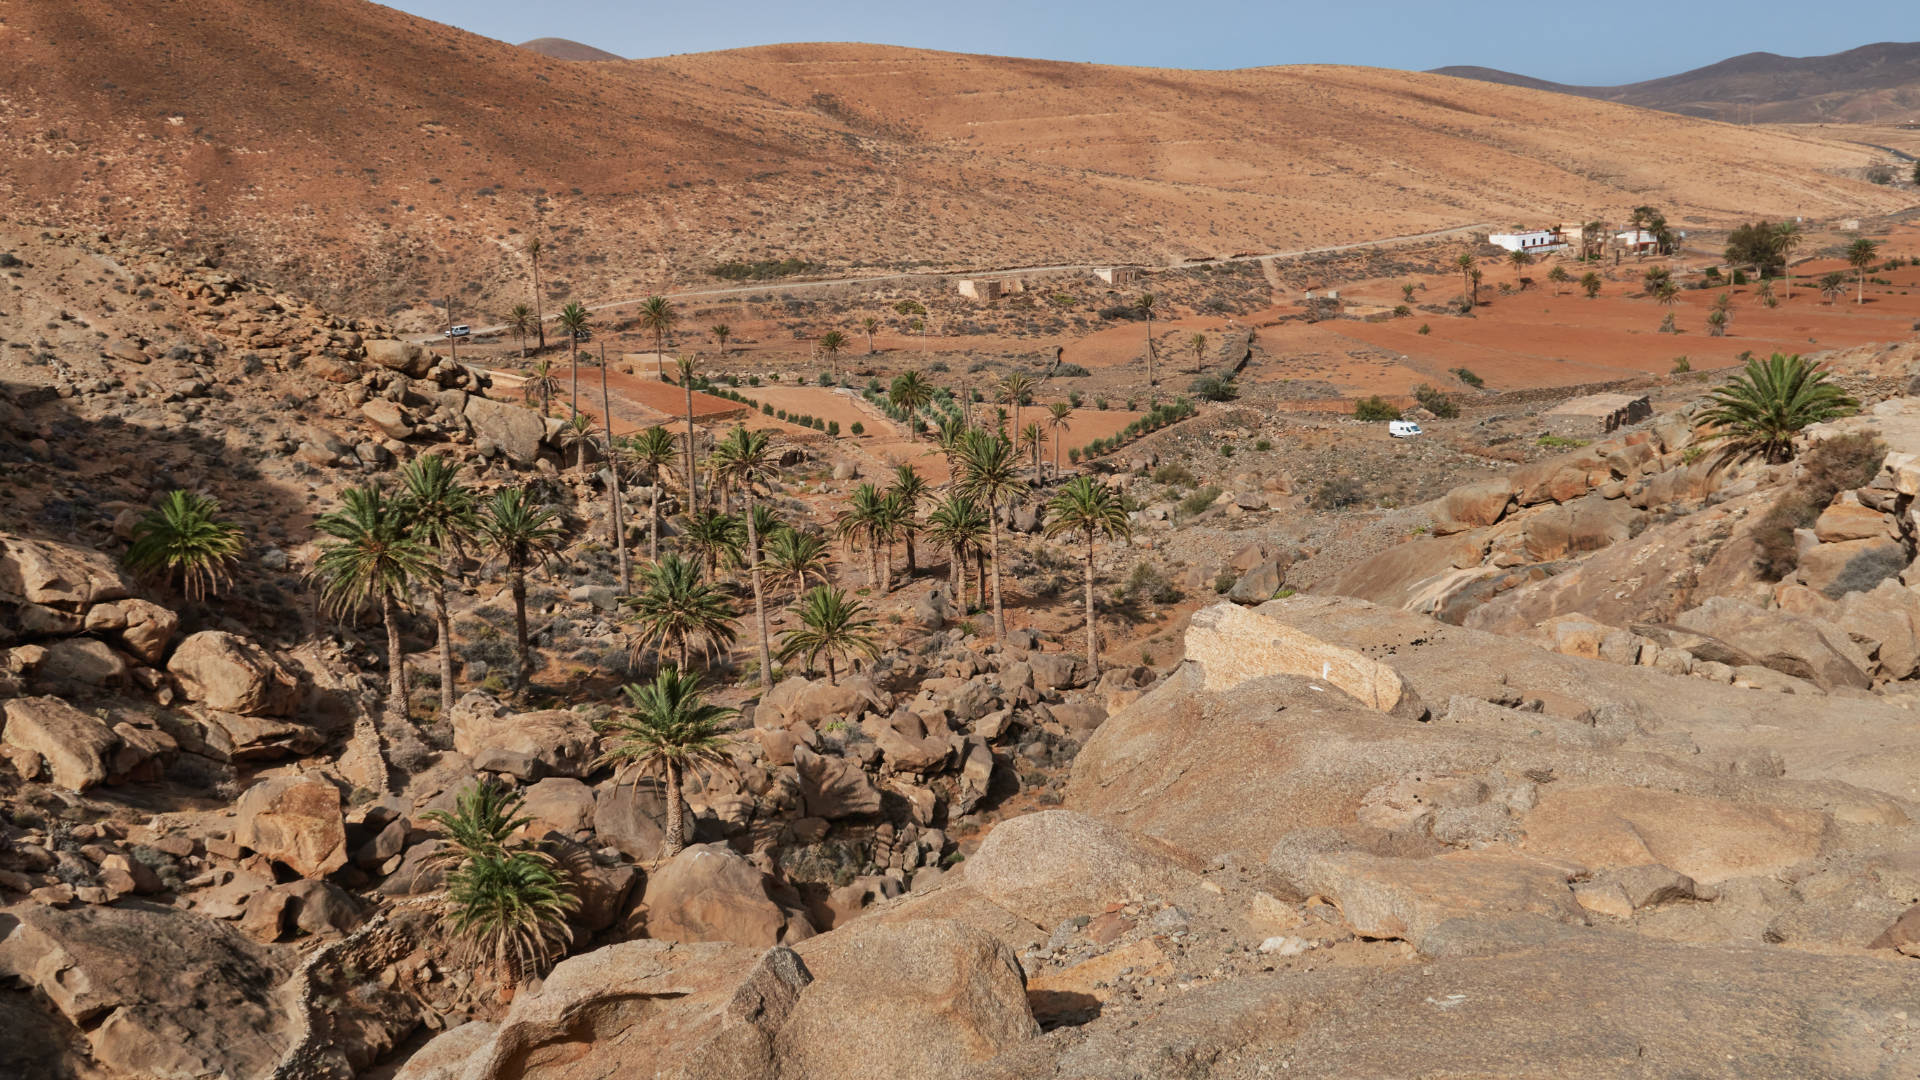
1879	82
563	49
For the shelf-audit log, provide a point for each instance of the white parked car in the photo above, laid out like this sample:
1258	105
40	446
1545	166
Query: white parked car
1403	429
461	330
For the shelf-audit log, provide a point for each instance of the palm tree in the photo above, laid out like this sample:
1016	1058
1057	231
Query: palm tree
653	450
677	610
1759	410
185	542
1465	263
1590	282
747	460
1833	286
1787	238
505	899
522	535
1144	306
374	560
1559	276
444	515
869	324
1667	293
1032	439
1519	260
831	343
573	319
617	515
577	434
657	316
794	557
1015	390
1198	343
520	322
713	536
1860	255
862	523
911	393
1593	240
541	383
959	525
721	332
1089	509
1474	275
1717	322
686	366
990	472
911	490
1057	416
671	730
831	625
1765	294
534	247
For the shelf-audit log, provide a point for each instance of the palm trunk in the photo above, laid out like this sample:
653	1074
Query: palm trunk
653	521
613	489
830	681
1093	634
520	621
993	542
686	655
676	829
396	663
446	649
576	372
693	491
886	569
659	355
913	563
873	562
980	576
539	317
759	597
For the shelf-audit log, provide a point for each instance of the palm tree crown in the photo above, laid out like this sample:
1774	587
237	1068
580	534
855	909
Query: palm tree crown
1759	410
505	899
678	611
671	730
1088	509
375	556
185	541
657	317
831	626
795	557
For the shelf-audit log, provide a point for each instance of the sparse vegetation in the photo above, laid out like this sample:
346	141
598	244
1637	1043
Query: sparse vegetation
1830	467
1375	408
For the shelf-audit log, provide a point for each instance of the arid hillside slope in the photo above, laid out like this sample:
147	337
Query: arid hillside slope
377	160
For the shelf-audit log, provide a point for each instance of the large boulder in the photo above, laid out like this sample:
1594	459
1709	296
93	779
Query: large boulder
227	672
59	576
77	748
1232	645
926	998
834	787
143	628
1790	644
1406	898
709	893
1848	520
1057	864
405	357
295	821
1259	584
1477	504
556	742
816	701
1851	565
516	430
81	662
631	818
1057	671
1709	840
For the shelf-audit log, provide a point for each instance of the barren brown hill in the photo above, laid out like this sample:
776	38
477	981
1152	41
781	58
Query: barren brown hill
378	160
563	49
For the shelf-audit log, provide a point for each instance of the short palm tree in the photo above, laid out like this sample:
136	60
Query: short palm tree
912	490
713	538
678	611
1559	276
831	626
795	557
1833	286
1088	509
444	516
577	434
1590	283
519	322
747	460
990	473
1197	344
522	535
541	383
870	324
573	319
506	901
861	525
375	558
1015	390
1760	410
670	729
1519	260
657	316
1860	256
1057	415
721	332
653	451
1717	322
911	393
185	542
1033	439
960	526
1765	294
831	343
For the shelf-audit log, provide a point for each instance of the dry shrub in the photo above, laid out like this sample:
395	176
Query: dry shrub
1829	468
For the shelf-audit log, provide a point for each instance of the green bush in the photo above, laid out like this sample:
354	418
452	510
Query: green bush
1173	474
1682	365
1436	402
1375	408
1467	376
1214	388
858	428
1830	467
1424	329
1199	500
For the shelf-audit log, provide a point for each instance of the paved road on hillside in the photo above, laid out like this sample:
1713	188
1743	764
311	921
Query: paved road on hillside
793	287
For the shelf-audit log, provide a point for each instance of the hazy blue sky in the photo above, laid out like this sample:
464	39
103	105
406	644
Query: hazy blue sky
1563	40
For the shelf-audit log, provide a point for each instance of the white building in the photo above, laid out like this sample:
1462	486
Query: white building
1637	240
1117	275
1536	242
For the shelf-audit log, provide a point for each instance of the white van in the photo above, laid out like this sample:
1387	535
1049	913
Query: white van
1403	429
461	330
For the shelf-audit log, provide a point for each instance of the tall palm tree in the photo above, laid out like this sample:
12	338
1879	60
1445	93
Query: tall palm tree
794	557
1197	342
445	516
670	729
721	332
862	523
677	610
505	899
1787	238
869	324
522	535
576	435
910	392
1032	438
1465	262
657	316
573	319
713	537
1760	410
375	558
687	366
541	383
959	525
1090	510
534	248
1144	305
747	460
831	343
911	489
1593	239
990	472
1015	389
520	323
185	541
1860	255
617	513
1057	415
653	450
831	625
